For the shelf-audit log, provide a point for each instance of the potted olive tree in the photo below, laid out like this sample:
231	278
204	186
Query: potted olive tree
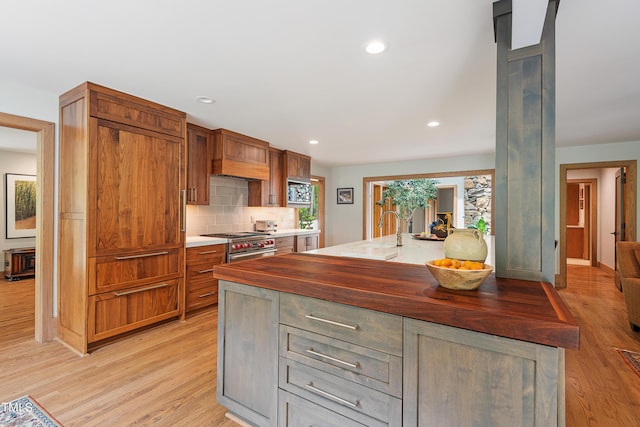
407	196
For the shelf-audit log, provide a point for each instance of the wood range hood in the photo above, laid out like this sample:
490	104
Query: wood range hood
239	156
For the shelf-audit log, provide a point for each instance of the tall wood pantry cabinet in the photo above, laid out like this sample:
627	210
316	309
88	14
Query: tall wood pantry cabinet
121	228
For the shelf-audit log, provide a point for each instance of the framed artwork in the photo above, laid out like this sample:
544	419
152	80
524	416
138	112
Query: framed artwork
20	202
345	196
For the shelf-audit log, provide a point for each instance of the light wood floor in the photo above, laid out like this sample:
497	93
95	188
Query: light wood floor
166	376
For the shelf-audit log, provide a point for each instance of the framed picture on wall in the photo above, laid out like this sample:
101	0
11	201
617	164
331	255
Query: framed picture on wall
20	202
345	196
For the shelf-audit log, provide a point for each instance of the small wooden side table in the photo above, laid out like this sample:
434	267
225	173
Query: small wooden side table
19	263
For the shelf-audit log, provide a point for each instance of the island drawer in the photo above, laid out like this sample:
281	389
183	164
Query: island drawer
371	368
294	411
347	398
372	329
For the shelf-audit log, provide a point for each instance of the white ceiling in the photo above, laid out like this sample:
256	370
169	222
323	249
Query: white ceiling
288	71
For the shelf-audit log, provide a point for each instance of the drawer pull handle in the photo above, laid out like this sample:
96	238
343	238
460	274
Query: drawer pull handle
135	291
324	356
331	322
207	294
207	252
208	270
311	387
120	258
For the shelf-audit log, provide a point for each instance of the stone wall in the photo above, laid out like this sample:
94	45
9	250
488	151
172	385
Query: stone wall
477	200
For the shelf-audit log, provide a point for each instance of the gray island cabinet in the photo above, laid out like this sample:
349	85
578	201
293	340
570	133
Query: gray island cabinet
327	341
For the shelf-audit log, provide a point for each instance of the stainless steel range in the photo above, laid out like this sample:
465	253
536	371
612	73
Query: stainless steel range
247	245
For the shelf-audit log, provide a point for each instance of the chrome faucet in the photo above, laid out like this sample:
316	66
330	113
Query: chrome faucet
398	234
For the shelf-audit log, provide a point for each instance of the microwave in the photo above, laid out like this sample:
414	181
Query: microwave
298	193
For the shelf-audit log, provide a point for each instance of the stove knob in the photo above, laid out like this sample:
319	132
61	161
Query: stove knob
262	245
247	245
236	246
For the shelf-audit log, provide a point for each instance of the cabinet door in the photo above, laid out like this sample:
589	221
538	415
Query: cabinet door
275	196
199	145
247	377
297	165
135	190
269	193
461	378
285	245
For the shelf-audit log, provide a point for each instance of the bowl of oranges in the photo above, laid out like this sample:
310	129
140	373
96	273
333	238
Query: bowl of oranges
459	274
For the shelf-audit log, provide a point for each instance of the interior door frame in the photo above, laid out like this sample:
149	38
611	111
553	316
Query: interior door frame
45	323
367	189
591	209
630	209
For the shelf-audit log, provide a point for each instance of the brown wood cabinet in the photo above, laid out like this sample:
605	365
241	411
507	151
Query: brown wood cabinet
199	148
297	165
201	287
269	193
239	155
285	245
121	225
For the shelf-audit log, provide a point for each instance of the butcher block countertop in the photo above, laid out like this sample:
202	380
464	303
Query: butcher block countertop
524	310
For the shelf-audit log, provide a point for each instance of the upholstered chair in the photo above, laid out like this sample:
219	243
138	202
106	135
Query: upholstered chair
628	260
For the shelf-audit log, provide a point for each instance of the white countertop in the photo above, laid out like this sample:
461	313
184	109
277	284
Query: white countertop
286	232
412	251
193	241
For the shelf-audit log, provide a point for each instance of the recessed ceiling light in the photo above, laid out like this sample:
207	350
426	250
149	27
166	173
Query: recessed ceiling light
313	142
205	99
375	47
433	124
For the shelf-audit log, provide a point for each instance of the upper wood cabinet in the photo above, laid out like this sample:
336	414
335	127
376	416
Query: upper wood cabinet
297	165
269	193
199	148
240	155
121	224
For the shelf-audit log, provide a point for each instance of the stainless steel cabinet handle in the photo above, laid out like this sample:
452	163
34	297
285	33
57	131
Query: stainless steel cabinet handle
120	258
311	387
208	294
331	322
208	270
184	210
135	291
195	194
207	252
324	356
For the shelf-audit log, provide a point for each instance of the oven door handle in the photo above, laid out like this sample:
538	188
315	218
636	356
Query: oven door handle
246	254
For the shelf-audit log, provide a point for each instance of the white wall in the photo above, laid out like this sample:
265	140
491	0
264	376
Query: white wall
28	102
15	163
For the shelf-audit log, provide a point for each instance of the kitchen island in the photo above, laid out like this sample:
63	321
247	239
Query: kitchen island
305	338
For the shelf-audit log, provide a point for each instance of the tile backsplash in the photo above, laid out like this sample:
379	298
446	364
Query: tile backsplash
228	210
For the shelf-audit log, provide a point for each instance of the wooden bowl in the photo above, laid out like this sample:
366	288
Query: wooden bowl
464	280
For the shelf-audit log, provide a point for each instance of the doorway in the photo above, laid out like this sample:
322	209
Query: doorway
582	221
45	187
602	243
448	181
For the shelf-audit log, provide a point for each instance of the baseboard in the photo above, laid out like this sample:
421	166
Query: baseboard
236	420
606	268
